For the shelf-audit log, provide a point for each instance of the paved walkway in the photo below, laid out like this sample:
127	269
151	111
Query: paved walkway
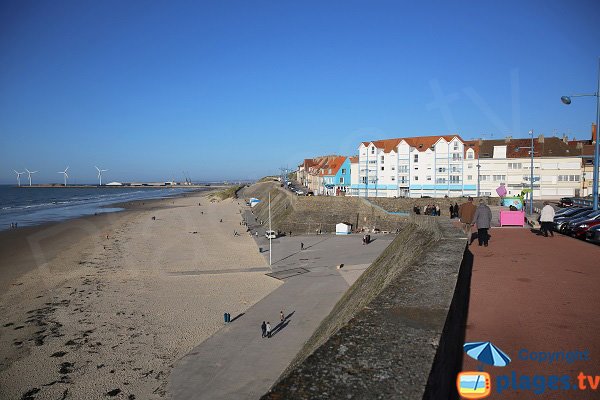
236	362
539	294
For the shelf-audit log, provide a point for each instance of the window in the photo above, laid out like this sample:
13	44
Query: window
456	157
484	178
341	179
442	169
469	165
515	165
455	179
393	178
469	177
373	150
440	180
363	179
393	168
402	179
428	177
382	168
455	146
382	158
416	178
568	178
470	155
499	178
416	158
372	161
343	170
416	168
403	168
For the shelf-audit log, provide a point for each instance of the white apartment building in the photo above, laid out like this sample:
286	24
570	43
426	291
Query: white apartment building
434	166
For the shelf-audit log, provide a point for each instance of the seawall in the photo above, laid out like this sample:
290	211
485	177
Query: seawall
398	331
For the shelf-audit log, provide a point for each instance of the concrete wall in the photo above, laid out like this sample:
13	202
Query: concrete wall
398	331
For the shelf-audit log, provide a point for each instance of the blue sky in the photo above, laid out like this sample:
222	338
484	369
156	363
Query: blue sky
237	89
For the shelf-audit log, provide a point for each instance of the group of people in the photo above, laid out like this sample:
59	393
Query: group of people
267	331
481	216
430	209
13	225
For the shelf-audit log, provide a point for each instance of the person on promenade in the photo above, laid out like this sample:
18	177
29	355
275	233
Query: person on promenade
437	210
263	327
268	329
281	316
483	220
546	219
455	210
466	213
451	211
301	246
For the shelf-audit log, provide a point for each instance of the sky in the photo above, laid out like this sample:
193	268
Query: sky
227	90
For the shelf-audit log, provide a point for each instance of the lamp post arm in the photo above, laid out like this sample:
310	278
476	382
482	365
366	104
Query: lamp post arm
585	95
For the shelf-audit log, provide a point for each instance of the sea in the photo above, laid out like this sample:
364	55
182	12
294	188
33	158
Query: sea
28	206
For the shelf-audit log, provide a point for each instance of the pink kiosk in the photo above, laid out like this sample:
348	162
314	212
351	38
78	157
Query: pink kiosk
508	217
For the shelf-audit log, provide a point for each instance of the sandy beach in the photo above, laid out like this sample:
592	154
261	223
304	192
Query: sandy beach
103	306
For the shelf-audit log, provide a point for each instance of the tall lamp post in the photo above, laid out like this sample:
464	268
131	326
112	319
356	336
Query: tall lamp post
567	100
531	197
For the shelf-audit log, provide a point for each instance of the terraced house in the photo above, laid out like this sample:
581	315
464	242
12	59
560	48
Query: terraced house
326	175
434	166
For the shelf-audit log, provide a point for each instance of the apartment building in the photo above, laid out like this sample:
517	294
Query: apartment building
507	162
434	166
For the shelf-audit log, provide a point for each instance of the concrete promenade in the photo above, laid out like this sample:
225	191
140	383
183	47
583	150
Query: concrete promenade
536	294
236	362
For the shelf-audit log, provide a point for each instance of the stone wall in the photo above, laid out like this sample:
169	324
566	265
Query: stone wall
398	331
309	214
405	204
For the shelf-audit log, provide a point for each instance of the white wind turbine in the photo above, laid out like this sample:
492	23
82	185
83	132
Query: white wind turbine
29	173
100	171
65	174
18	176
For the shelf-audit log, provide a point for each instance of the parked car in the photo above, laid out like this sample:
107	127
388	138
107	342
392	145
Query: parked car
300	192
271	234
310	193
593	234
565	218
573	222
565	202
580	230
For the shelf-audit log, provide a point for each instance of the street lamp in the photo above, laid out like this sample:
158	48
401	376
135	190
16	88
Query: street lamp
567	100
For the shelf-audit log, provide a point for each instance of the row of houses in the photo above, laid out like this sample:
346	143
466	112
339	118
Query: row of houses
448	165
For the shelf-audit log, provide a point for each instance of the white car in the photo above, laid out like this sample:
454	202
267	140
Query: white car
271	235
299	192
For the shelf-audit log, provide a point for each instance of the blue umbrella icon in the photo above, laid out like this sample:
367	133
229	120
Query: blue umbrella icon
487	353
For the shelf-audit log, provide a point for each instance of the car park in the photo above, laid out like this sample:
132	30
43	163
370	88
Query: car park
561	220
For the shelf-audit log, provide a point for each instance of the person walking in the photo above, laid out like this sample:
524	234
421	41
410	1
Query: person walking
546	219
483	220
437	210
451	211
301	246
466	212
263	327
455	210
268	329
281	316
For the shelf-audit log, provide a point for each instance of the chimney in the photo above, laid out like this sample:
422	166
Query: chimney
565	139
541	139
480	142
507	139
594	133
579	146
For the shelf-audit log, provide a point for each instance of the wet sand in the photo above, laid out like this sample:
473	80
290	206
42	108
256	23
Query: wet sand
83	315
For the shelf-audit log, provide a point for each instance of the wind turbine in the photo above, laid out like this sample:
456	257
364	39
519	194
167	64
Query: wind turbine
100	171
65	174
29	174
18	176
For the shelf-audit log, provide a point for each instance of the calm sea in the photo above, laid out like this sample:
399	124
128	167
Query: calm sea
33	206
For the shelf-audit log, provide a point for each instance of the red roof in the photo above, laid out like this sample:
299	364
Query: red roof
421	143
